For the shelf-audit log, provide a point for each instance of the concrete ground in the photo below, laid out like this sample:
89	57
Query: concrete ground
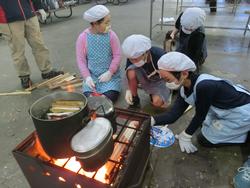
228	57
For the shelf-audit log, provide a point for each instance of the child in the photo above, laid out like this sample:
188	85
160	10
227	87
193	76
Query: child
142	68
99	55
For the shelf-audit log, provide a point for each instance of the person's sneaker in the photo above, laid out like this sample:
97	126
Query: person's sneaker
51	74
242	178
136	103
25	81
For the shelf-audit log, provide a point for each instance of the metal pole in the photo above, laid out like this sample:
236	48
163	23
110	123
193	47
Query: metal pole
162	12
151	17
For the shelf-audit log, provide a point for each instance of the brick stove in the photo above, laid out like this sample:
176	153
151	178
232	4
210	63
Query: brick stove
125	168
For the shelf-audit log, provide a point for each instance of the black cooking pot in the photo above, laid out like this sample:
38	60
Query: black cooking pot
103	107
94	144
55	135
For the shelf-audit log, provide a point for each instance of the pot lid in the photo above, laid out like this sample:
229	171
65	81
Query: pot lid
91	135
101	103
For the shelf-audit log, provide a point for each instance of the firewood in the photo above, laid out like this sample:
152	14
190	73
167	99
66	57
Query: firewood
58	83
16	93
53	82
42	84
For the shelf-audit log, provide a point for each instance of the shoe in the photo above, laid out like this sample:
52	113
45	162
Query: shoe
242	178
136	103
51	74
25	81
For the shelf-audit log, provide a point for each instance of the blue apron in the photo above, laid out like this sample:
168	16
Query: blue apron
223	125
99	57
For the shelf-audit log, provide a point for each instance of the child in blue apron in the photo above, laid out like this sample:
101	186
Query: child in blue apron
222	109
99	55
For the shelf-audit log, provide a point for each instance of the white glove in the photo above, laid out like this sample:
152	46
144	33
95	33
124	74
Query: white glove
186	143
43	14
105	77
152	121
89	81
172	35
129	97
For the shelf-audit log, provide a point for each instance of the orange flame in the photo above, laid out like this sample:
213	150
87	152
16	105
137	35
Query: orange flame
68	163
74	166
70	88
93	116
37	149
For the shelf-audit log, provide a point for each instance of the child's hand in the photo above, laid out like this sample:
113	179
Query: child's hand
105	77
89	82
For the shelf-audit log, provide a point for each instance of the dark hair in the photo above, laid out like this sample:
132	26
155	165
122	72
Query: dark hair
177	75
191	75
98	21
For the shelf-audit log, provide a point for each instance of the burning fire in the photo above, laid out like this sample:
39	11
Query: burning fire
74	166
70	88
104	174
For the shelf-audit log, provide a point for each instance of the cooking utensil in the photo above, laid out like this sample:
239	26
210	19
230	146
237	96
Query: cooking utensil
103	107
93	145
55	135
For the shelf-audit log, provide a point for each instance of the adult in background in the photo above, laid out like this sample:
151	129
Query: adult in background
98	54
141	68
192	40
222	109
18	21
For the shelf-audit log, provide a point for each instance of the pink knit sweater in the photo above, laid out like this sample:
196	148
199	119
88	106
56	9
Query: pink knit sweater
81	53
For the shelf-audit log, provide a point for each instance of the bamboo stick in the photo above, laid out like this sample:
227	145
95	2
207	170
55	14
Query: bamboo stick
69	102
58	83
47	81
16	93
53	82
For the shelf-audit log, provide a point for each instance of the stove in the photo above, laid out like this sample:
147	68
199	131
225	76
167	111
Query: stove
125	168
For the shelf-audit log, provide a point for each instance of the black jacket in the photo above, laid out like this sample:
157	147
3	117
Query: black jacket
17	10
194	48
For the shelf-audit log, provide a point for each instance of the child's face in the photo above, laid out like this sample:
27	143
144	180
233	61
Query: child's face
104	25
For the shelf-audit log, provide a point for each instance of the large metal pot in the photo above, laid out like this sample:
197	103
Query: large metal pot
103	107
94	144
55	135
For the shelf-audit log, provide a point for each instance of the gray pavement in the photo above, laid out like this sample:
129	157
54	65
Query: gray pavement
228	57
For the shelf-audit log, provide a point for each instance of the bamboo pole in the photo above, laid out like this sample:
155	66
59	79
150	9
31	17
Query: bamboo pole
16	93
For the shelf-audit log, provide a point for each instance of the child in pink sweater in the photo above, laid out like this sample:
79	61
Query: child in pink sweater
99	55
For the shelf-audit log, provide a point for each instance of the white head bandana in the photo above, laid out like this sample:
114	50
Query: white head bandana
191	19
95	13
135	45
176	62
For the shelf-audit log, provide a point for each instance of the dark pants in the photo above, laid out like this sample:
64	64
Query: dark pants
212	5
204	142
111	94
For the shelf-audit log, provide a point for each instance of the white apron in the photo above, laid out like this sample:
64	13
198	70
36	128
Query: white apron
223	125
